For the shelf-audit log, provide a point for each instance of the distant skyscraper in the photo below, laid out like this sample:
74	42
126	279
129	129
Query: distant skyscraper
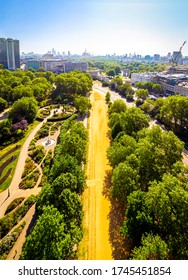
3	53
9	53
177	57
156	57
17	53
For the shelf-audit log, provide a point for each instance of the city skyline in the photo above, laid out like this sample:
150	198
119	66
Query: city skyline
101	26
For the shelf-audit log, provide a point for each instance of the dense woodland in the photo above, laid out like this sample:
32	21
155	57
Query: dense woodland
150	179
24	92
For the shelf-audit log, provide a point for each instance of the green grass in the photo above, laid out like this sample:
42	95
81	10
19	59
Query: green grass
12	165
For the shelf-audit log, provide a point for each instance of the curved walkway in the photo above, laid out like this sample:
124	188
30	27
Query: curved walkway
13	191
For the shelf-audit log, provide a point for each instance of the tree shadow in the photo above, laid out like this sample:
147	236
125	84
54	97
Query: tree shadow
121	246
32	223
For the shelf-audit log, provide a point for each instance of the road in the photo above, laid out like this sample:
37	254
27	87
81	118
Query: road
96	205
113	95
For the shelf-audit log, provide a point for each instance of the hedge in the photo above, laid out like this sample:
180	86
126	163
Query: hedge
61	118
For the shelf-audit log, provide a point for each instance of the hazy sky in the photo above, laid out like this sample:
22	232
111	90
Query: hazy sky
99	26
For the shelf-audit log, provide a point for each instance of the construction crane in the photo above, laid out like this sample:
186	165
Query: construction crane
174	60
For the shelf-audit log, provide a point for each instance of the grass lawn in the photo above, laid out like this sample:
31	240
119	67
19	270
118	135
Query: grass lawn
16	153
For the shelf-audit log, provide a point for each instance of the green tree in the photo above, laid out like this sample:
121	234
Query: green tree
111	72
3	104
157	89
168	201
117	70
48	240
157	152
64	181
130	94
79	128
113	118
142	94
152	248
82	104
5	130
116	83
25	108
134	120
174	113
120	149
124	181
145	85
75	146
22	91
73	82
68	164
117	106
69	204
107	97
138	219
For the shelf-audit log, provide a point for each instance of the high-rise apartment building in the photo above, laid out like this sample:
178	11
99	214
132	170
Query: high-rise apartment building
9	53
3	53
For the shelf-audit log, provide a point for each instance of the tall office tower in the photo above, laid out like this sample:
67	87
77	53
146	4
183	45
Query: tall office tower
3	53
16	44
9	53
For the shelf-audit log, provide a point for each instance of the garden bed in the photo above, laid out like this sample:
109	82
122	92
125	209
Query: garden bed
30	181
8	241
14	204
12	219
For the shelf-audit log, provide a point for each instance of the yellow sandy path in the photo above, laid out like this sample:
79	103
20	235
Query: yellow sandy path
96	205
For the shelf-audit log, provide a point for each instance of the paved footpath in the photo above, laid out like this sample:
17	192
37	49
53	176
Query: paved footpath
7	196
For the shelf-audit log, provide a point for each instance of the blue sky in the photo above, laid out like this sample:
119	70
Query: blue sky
99	26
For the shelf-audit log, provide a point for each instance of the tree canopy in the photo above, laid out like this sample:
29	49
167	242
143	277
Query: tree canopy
24	108
51	245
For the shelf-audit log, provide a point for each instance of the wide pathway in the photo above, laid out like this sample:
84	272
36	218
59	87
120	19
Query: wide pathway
96	205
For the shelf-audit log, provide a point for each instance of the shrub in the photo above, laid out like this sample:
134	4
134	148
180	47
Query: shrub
30	181
14	204
8	241
29	167
37	154
11	219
